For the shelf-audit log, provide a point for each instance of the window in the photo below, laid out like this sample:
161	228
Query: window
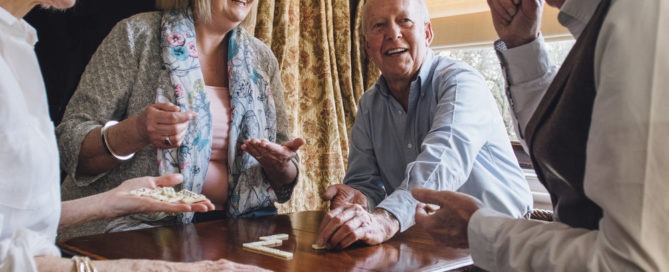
484	59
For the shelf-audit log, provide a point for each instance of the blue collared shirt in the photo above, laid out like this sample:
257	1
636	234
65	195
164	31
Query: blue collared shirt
451	137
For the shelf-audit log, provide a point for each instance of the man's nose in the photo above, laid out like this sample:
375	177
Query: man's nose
393	32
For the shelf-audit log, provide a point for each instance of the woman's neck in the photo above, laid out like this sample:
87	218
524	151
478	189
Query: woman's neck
210	37
212	47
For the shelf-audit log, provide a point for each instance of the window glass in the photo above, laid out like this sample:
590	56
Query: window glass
484	59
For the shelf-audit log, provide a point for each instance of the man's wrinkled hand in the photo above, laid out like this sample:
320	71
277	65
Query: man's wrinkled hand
449	223
341	194
344	225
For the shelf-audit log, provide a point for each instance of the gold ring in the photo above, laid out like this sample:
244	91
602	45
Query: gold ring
167	141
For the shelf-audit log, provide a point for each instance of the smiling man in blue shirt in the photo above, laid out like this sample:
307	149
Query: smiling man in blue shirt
429	121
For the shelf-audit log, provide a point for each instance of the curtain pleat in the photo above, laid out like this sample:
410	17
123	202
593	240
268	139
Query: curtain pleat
324	74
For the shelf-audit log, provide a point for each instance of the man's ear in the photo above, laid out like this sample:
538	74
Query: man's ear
429	35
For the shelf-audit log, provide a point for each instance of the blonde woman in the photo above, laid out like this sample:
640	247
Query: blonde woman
193	93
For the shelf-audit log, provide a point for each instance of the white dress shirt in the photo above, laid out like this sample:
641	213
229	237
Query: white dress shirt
627	165
29	172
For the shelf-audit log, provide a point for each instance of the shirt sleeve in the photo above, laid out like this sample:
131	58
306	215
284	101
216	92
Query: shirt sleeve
363	173
528	71
461	126
626	168
17	253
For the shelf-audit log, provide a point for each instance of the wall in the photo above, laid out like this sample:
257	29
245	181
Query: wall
477	28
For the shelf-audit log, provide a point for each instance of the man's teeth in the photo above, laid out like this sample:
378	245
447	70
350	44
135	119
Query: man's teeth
241	1
396	51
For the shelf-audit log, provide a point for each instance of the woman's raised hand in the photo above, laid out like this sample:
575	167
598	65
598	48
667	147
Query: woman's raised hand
163	125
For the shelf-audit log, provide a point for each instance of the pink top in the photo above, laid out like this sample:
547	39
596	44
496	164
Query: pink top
216	182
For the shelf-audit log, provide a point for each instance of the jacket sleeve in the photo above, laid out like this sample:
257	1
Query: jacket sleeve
102	95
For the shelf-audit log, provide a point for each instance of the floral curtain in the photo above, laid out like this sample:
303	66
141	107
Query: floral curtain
324	74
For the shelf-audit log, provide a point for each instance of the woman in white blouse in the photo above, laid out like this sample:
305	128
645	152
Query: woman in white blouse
29	173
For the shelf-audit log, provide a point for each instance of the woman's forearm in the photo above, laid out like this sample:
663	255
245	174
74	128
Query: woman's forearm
82	210
281	175
123	138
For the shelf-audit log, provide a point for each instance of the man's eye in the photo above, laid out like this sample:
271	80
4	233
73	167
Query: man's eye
405	22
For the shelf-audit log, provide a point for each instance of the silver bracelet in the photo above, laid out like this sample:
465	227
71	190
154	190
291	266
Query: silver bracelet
105	143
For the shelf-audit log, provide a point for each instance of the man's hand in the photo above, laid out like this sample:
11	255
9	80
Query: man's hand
341	194
349	223
517	22
449	223
122	202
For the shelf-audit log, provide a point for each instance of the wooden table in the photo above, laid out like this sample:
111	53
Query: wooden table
408	251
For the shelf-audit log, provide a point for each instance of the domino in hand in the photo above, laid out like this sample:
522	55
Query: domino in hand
169	195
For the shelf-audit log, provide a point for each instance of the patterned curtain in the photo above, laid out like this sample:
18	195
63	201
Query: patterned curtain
324	73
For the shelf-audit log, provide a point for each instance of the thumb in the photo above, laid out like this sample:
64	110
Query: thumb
431	196
530	7
295	144
421	210
169	180
166	106
421	213
182	117
331	192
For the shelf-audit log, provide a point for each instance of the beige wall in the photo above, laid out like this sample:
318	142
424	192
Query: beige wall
477	28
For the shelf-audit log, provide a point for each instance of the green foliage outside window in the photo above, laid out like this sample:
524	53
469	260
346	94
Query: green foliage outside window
484	59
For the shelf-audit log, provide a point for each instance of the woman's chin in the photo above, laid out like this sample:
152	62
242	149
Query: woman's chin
57	4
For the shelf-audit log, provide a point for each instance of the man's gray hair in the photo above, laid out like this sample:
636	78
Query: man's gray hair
363	17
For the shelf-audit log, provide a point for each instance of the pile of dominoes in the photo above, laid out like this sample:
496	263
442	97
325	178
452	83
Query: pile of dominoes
168	194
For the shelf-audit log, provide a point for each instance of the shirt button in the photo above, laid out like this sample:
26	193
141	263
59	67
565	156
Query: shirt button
409	146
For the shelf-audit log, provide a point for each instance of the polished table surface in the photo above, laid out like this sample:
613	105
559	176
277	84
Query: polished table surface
412	250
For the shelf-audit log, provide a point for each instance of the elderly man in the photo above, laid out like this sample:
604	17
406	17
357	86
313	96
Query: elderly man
604	155
429	121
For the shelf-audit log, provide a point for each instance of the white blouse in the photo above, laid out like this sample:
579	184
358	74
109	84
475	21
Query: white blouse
29	165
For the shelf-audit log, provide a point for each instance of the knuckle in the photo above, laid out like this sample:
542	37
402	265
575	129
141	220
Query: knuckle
337	220
172	117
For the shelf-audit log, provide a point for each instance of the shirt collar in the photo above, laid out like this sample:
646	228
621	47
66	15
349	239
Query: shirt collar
425	69
575	14
18	28
423	73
